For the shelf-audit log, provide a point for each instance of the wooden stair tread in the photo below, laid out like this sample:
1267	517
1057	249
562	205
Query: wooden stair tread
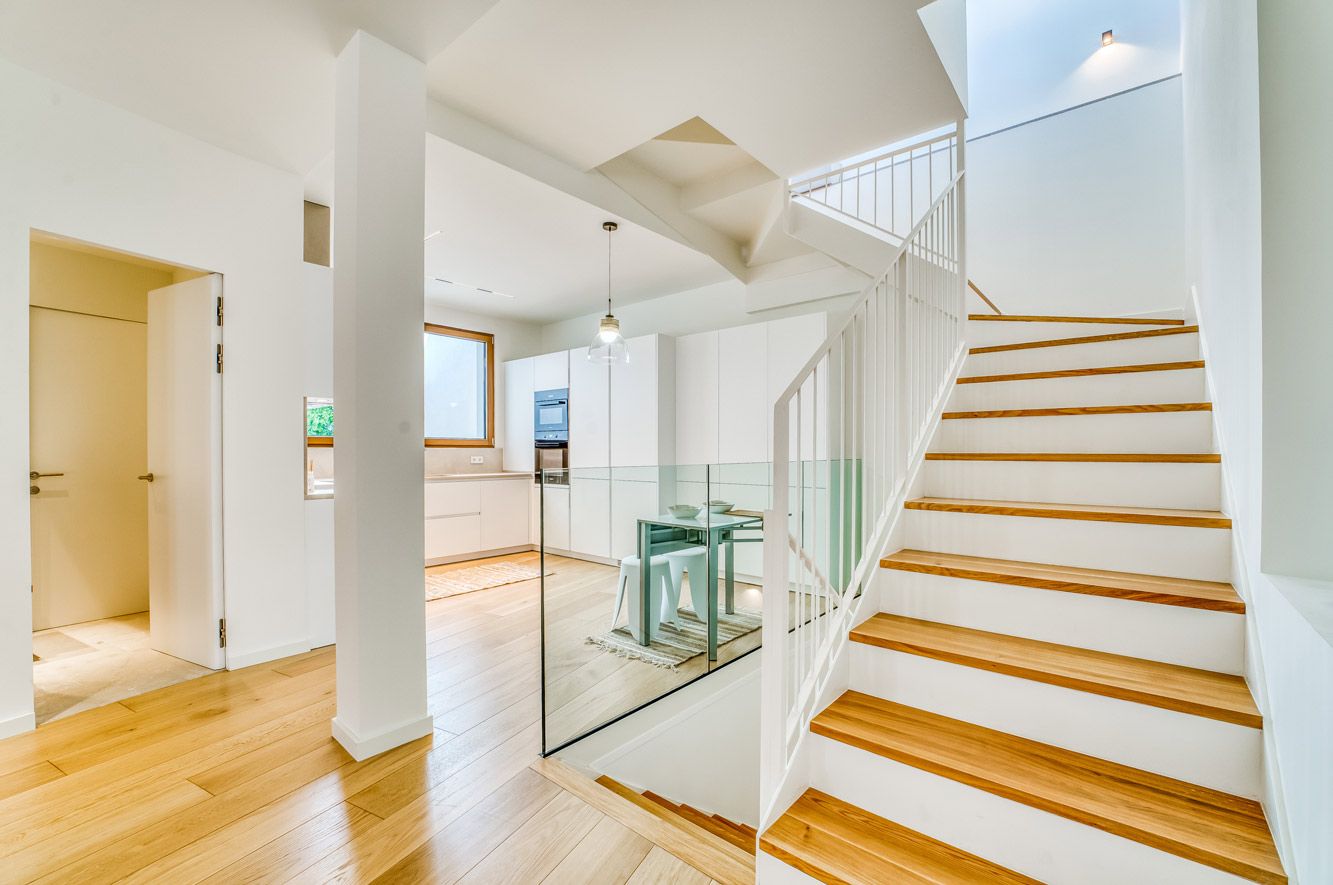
1082	457
1217	829
1219	696
1178	366
683	816
1086	339
1032	318
1209	595
1138	408
1209	519
834	841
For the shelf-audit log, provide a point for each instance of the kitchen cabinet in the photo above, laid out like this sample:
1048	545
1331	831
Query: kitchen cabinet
643	404
550	371
791	343
743	416
589	512
467	517
518	389
555	517
589	412
697	399
505	511
635	494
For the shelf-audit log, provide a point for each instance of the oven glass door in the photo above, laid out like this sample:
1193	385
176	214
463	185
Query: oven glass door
551	415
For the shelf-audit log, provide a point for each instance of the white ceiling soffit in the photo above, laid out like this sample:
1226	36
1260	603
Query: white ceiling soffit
795	83
252	76
511	234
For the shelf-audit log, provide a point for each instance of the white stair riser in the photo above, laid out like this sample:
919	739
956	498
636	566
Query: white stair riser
1129	388
1183	486
1190	637
1034	842
1132	352
1174	551
768	870
986	333
1191	748
1134	432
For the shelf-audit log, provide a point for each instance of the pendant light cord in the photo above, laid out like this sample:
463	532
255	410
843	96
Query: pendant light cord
608	270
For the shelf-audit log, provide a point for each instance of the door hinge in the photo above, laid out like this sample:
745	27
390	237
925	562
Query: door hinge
219	359
219	310
222	632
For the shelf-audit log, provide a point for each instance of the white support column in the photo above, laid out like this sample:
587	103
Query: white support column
378	217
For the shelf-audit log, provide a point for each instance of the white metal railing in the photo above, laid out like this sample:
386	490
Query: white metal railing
846	434
889	191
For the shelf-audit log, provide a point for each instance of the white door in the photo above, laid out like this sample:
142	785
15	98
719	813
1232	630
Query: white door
88	424
185	458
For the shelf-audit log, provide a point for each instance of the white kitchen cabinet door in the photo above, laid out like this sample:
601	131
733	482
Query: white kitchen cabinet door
452	535
642	414
453	498
697	399
631	500
743	413
554	530
791	343
550	371
590	514
517	452
505	509
589	412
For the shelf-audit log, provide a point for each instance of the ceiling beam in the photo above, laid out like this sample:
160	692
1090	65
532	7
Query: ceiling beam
662	199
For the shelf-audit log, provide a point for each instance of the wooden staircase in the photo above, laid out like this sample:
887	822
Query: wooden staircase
742	836
1053	689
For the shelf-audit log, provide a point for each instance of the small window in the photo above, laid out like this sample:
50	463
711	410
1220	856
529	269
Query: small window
460	387
318	447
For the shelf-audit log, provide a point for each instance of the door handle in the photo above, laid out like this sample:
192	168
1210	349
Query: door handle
147	477
35	475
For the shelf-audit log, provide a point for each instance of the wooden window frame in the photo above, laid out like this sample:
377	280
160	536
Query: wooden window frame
489	340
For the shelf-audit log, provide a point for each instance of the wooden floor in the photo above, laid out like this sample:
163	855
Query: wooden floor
233	777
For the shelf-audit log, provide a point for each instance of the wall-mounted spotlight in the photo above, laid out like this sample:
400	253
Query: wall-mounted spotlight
1108	37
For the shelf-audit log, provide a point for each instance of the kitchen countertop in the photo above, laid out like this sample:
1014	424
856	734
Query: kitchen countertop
468	477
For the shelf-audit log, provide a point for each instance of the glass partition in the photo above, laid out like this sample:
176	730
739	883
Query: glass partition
616	637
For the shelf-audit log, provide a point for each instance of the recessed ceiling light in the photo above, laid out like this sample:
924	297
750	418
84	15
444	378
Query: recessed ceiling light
473	288
1108	37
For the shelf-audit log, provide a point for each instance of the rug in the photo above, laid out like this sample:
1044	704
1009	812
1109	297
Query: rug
672	646
478	577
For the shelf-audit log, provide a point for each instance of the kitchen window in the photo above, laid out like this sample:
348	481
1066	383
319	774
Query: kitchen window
460	387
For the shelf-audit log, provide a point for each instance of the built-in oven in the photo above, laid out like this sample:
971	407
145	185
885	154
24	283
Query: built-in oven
550	418
550	431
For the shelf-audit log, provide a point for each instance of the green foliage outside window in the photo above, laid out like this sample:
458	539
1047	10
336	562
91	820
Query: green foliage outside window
319	420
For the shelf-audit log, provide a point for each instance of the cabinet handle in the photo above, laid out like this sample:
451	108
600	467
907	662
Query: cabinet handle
35	475
147	477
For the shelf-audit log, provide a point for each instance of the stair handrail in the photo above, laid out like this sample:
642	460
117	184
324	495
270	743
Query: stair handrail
846	433
830	188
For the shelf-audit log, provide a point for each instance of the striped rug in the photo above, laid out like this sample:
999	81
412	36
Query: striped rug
672	646
478	577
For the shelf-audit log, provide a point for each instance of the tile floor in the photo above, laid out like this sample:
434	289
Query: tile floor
80	666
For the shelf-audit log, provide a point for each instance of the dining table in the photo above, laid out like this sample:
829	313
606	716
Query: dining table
716	531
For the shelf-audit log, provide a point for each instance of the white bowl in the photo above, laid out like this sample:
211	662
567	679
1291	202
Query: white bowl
684	511
719	506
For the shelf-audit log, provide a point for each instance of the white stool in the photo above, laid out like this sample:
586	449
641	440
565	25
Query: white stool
695	561
659	590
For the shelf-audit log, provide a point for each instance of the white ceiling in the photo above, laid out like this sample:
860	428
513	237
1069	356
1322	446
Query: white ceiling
795	83
252	76
503	231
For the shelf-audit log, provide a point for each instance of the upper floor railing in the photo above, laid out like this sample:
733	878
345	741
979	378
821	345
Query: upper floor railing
889	191
846	433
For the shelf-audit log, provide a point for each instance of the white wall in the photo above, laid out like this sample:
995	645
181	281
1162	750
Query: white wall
1263	331
78	167
1082	213
1027	58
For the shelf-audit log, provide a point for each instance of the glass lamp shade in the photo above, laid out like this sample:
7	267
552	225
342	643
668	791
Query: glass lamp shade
608	345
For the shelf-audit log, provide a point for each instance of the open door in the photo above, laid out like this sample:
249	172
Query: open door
185	463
